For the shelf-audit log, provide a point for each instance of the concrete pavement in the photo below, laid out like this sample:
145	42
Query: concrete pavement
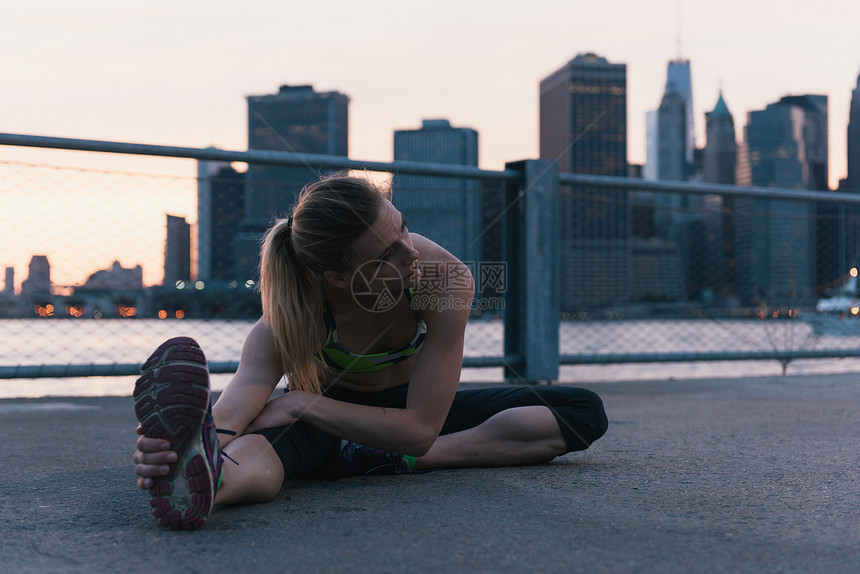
751	475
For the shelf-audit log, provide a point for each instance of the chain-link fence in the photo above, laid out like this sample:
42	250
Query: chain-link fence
102	264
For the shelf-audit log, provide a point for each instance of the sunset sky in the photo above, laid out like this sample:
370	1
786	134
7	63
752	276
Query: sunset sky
177	73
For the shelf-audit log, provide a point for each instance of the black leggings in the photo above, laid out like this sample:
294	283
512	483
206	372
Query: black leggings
303	449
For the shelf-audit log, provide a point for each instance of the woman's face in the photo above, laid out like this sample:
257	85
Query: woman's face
384	257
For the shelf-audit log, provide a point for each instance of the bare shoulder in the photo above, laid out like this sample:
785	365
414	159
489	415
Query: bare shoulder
446	286
431	254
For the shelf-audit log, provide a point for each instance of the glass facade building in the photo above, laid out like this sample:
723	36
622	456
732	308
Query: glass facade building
583	125
220	210
446	210
295	119
777	261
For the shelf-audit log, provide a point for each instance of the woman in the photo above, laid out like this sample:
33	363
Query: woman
367	364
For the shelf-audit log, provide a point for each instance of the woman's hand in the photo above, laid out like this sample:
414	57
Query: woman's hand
152	457
282	411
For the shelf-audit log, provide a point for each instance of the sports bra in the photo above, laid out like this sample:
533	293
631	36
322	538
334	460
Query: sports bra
339	358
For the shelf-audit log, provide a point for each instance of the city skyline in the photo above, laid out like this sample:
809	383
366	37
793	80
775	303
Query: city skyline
179	75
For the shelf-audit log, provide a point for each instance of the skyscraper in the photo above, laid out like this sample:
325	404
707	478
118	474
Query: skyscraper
673	161
296	119
177	251
220	209
720	163
776	239
583	125
670	129
679	81
670	152
844	234
38	281
9	285
448	210
721	147
852	179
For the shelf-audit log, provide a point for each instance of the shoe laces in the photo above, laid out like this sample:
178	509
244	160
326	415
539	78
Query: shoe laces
224	454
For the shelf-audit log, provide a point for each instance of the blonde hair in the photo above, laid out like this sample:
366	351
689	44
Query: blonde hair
329	216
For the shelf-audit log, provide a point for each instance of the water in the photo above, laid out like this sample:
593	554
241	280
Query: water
28	342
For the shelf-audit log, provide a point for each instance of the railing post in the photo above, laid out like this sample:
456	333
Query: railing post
532	237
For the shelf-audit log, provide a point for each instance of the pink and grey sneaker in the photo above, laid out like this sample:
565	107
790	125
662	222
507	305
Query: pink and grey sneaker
172	402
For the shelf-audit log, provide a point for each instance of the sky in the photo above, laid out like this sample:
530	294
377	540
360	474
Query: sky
177	73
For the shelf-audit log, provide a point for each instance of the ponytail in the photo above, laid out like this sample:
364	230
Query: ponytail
330	215
292	305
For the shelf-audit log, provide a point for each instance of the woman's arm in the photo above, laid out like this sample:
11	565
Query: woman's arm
432	386
258	374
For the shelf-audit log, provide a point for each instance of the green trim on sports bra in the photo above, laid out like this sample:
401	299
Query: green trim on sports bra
339	358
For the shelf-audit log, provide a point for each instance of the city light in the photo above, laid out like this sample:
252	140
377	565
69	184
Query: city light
180	314
199	285
44	311
126	311
853	272
162	314
75	310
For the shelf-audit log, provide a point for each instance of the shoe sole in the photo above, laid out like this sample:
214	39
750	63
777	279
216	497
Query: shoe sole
171	399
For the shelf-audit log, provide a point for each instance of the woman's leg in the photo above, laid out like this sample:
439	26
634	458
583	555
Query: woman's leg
520	435
257	477
516	425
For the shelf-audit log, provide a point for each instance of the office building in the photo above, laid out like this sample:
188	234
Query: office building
445	209
844	233
220	210
9	285
177	251
38	281
852	179
777	254
719	166
720	155
670	154
116	278
679	81
583	125
295	119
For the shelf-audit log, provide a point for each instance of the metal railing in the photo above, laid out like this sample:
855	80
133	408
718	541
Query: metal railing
537	338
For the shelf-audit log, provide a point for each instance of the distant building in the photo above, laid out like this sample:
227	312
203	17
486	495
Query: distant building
295	119
670	147
777	259
852	179
721	148
220	210
679	81
671	155
672	164
447	210
844	237
9	285
116	278
720	165
38	281
583	125
177	251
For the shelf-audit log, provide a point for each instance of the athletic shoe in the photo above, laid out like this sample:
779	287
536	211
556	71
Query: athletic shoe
172	402
356	459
